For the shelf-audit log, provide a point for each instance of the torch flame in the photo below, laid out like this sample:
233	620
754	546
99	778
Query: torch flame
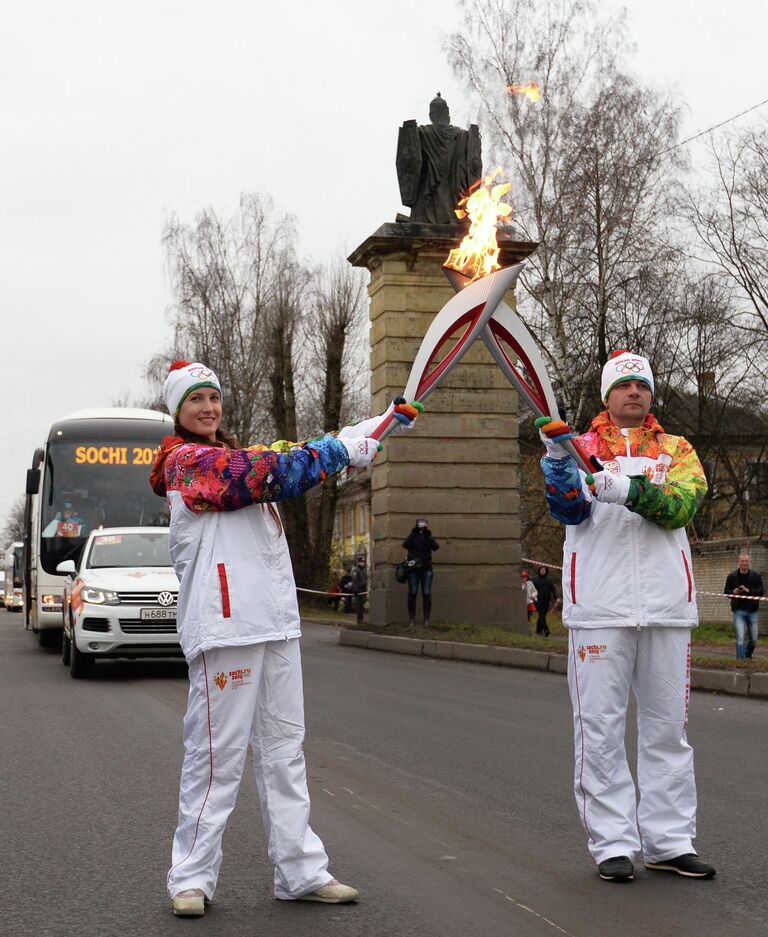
531	90
478	253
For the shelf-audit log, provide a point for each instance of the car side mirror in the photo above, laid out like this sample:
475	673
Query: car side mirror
33	481
67	566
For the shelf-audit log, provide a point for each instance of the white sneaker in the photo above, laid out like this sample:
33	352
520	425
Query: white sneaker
189	903
333	893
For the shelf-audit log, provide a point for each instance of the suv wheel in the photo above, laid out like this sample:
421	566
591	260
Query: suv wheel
80	665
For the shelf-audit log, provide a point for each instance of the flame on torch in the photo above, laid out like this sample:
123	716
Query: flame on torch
531	90
478	253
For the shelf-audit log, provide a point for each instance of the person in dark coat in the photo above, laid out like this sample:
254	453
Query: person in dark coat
359	576
745	582
345	584
420	545
546	596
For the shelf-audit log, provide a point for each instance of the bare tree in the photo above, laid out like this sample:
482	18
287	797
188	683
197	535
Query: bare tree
335	334
13	529
227	276
593	183
730	217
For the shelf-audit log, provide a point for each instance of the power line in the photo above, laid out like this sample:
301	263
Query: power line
710	129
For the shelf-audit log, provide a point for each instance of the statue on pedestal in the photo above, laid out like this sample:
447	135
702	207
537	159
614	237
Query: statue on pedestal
436	165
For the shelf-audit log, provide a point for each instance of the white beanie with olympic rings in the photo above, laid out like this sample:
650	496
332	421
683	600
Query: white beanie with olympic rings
183	378
622	366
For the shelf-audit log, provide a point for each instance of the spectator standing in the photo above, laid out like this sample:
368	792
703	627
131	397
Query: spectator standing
530	593
745	582
420	545
345	584
546	596
359	576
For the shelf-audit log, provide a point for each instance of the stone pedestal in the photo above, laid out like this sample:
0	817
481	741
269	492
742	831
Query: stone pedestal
459	467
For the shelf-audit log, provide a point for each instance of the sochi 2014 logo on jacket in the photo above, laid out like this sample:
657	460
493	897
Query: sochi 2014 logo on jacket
593	652
220	680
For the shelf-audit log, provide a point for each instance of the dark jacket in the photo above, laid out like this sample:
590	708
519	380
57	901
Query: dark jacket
420	545
753	581
359	580
546	590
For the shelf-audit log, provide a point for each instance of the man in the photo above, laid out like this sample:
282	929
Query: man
359	587
744	581
629	603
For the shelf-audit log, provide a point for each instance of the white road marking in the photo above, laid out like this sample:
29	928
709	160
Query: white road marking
329	792
348	790
524	907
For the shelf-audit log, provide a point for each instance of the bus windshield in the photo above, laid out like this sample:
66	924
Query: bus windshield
90	485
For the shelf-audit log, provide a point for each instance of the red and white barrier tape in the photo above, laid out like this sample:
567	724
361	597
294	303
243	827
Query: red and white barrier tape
335	594
723	595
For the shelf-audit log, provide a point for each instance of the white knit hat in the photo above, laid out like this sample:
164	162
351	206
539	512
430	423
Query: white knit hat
183	378
622	366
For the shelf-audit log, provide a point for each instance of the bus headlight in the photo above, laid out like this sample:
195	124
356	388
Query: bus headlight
49	600
99	596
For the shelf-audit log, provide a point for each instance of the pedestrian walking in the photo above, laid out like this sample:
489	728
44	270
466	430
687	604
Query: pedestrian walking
629	603
745	583
359	587
546	595
420	545
239	628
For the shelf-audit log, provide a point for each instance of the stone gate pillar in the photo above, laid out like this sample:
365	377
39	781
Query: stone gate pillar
459	467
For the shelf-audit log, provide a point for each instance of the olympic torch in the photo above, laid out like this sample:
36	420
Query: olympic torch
478	251
471	308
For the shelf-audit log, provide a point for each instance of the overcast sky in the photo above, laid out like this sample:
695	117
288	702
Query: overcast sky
115	115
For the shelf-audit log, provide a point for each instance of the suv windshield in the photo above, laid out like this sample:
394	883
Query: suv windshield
121	550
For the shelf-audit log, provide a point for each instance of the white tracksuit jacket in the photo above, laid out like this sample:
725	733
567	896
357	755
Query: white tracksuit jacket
629	602
239	625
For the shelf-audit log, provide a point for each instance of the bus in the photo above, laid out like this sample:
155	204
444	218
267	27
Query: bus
93	471
12	581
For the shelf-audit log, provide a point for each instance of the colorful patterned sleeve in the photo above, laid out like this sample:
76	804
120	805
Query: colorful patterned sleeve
564	492
213	479
673	504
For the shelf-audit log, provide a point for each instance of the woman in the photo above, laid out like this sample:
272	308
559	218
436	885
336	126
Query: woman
420	545
546	595
238	623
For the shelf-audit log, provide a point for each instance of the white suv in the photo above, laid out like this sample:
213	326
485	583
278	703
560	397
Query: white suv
121	600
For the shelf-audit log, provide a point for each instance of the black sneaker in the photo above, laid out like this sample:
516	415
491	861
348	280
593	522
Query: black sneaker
688	865
617	869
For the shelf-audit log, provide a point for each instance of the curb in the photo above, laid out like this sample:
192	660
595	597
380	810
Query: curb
734	683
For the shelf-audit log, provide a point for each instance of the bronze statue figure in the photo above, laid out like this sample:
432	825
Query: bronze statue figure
436	165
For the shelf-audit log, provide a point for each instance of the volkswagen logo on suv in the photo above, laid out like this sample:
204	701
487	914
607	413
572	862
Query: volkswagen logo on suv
165	598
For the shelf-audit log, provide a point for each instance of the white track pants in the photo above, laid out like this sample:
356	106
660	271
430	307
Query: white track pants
603	664
239	695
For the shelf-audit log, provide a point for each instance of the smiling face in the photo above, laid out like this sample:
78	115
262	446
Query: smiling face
201	412
629	403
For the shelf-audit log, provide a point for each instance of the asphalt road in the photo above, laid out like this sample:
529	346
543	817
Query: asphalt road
441	790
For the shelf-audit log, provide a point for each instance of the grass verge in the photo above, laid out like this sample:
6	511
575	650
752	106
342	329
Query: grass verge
710	650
